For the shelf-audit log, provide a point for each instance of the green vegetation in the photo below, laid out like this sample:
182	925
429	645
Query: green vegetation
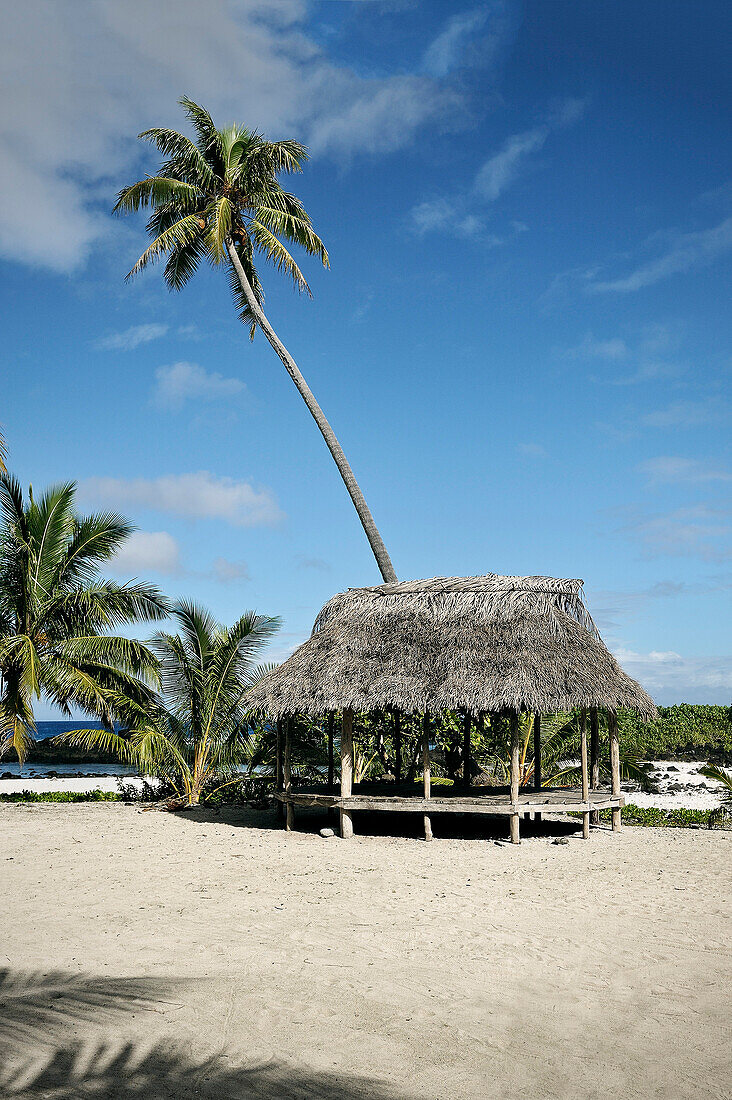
55	610
195	734
655	818
218	198
62	796
47	752
703	732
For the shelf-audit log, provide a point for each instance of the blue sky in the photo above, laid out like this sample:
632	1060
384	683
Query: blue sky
523	341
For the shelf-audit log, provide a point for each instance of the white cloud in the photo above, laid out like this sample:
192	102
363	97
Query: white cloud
500	171
131	338
196	496
682	414
503	168
458	216
590	348
685	251
674	469
103	71
318	564
226	571
377	116
696	531
179	382
670	678
448	217
447	49
147	552
644	358
532	450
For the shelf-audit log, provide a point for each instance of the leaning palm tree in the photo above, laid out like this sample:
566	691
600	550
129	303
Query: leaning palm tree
195	733
56	609
219	198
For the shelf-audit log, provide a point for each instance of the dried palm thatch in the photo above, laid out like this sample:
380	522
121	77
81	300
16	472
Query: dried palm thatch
474	643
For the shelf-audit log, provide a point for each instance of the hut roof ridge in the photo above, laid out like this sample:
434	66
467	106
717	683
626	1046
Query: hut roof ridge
487	597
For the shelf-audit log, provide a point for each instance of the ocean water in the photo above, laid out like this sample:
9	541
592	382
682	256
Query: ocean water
45	730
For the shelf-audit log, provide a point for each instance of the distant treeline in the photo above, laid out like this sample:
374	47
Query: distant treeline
45	752
685	729
700	731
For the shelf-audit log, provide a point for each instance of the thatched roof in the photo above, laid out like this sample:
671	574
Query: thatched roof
450	643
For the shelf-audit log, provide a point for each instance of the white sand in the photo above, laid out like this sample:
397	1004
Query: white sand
239	961
65	783
698	793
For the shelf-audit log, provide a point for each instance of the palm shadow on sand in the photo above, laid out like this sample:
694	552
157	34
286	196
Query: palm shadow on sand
41	1055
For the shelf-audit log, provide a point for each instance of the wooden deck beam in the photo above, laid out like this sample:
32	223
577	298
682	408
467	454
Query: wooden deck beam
549	801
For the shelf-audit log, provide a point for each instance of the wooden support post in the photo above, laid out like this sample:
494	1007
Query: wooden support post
515	766
594	759
466	750
287	775
537	758
279	781
397	747
331	761
346	771
426	770
585	776
612	725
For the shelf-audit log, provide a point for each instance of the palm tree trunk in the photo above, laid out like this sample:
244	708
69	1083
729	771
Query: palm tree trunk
372	534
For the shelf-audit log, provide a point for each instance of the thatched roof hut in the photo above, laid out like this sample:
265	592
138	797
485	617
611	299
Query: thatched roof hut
479	644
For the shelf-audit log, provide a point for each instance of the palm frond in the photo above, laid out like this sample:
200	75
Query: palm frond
286	156
295	229
219	228
185	156
182	232
183	263
278	255
157	190
724	778
209	139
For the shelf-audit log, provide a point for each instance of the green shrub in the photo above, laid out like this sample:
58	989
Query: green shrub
703	732
61	796
653	816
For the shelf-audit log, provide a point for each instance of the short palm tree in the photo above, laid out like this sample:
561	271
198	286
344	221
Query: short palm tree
56	609
219	198
195	733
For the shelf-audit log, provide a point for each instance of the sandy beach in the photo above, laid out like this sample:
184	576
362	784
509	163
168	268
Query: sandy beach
209	955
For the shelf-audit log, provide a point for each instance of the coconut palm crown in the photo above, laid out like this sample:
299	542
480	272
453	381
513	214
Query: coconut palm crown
195	732
218	198
56	610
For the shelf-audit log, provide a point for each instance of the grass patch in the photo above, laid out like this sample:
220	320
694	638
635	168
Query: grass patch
664	819
61	796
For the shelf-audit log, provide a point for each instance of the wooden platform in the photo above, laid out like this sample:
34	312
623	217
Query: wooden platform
478	800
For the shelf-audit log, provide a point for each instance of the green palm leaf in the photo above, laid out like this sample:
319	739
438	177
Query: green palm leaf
56	609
